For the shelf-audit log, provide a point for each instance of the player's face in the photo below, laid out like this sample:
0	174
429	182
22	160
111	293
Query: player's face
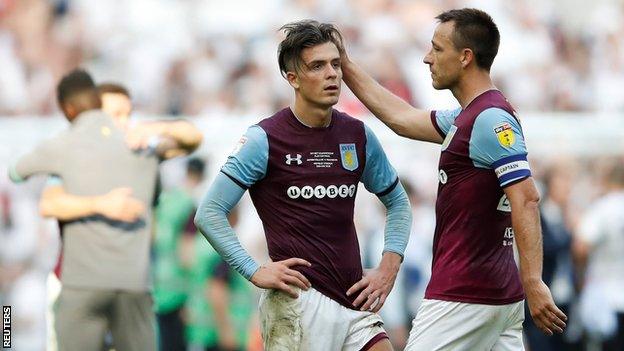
444	59
117	106
319	77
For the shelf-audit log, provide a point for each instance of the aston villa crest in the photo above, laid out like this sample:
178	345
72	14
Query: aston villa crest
348	156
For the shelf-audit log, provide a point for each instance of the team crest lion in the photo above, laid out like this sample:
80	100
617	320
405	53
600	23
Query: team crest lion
348	156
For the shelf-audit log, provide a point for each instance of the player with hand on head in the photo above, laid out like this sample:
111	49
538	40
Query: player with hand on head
486	196
302	167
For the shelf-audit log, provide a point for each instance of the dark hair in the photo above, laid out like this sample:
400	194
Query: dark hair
195	166
76	82
112	88
475	30
301	35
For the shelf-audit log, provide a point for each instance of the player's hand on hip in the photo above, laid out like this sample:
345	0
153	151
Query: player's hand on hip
119	205
376	284
546	315
279	275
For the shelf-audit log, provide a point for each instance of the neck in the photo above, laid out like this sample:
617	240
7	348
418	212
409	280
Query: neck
472	85
311	115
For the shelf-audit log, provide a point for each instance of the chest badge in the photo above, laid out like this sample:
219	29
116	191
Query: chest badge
348	156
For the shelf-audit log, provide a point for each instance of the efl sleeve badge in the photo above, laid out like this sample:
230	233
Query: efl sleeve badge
505	134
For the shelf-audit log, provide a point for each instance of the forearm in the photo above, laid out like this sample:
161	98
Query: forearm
386	106
211	220
396	113
67	207
527	232
398	220
185	134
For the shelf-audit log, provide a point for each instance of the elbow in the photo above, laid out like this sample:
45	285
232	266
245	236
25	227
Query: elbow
533	199
204	217
197	221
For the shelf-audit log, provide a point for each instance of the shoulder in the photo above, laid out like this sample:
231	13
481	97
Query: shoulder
495	115
495	121
344	118
275	120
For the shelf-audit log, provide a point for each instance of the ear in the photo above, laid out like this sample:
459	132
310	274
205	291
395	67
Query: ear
293	79
467	57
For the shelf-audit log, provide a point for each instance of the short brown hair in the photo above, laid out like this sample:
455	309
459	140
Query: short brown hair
301	35
475	30
112	88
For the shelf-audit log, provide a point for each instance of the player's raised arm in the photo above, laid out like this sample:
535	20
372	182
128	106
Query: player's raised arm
244	167
381	179
401	117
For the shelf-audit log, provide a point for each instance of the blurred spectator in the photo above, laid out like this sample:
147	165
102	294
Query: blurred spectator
599	246
558	269
174	233
220	303
550	59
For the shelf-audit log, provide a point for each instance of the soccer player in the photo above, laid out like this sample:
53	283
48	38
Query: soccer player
302	167
486	196
106	253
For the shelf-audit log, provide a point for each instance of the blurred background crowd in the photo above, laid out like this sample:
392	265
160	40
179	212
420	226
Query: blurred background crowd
561	64
198	57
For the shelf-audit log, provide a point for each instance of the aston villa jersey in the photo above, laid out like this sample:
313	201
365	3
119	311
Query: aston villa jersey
483	152
303	182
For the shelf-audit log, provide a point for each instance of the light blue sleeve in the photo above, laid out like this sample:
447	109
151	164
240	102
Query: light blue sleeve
379	177
211	220
248	162
444	119
497	143
398	220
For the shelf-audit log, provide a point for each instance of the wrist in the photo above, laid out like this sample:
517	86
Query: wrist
95	204
391	261
531	281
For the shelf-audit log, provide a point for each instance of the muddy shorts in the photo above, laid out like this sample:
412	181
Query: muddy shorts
313	321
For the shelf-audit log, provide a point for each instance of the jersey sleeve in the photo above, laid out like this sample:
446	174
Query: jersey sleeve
379	177
44	159
443	120
248	162
497	143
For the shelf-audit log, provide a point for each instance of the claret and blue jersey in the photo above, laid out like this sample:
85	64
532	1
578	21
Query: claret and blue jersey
303	182
482	153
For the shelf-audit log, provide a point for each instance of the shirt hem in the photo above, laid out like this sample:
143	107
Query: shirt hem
475	300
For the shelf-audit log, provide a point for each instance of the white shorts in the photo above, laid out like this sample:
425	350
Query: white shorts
313	321
444	325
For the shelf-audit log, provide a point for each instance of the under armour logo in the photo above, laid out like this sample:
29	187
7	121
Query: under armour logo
290	159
